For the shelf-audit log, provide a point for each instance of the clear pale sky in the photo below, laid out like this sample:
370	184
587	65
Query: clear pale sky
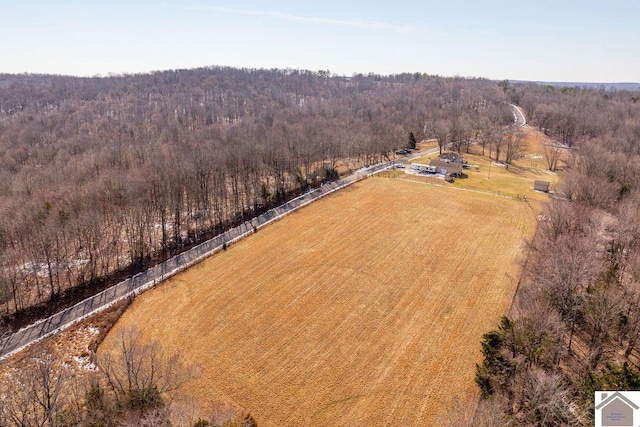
544	40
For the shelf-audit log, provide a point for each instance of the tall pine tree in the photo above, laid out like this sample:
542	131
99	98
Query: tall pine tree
412	141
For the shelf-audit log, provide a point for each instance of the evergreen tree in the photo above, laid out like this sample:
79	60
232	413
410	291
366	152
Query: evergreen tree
412	141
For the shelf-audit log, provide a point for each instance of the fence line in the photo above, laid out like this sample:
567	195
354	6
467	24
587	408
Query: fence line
158	273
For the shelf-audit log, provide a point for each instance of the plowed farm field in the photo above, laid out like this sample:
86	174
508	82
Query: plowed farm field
364	308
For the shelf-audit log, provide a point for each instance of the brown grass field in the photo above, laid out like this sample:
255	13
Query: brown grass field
364	308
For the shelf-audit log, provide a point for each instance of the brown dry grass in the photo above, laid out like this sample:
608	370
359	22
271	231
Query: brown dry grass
365	308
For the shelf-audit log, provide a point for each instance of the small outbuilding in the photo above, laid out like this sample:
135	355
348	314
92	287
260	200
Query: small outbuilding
541	186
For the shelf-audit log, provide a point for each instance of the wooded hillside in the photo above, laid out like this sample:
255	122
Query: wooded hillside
100	177
575	324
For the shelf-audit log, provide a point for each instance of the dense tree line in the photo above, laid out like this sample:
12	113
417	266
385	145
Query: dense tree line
573	115
574	326
100	177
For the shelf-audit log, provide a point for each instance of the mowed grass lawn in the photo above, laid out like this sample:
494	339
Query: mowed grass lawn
364	308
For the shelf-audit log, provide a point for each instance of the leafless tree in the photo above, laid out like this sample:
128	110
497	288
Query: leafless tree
552	153
441	133
495	141
630	322
34	396
538	331
565	272
140	375
602	309
545	401
513	146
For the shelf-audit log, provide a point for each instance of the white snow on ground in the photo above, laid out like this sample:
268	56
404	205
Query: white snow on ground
42	270
78	262
84	362
410	171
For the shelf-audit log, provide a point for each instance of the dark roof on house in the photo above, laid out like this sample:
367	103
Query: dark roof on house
453	168
452	157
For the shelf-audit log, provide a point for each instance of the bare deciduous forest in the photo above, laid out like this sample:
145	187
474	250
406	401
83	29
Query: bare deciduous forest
573	327
101	177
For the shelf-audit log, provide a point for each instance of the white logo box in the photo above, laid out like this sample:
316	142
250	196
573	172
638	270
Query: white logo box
617	408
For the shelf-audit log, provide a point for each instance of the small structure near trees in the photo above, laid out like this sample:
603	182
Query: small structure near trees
541	186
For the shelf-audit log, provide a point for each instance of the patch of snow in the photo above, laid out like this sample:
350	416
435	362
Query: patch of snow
84	362
78	262
40	269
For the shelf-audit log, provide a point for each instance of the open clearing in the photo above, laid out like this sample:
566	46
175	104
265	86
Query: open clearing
364	308
486	175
